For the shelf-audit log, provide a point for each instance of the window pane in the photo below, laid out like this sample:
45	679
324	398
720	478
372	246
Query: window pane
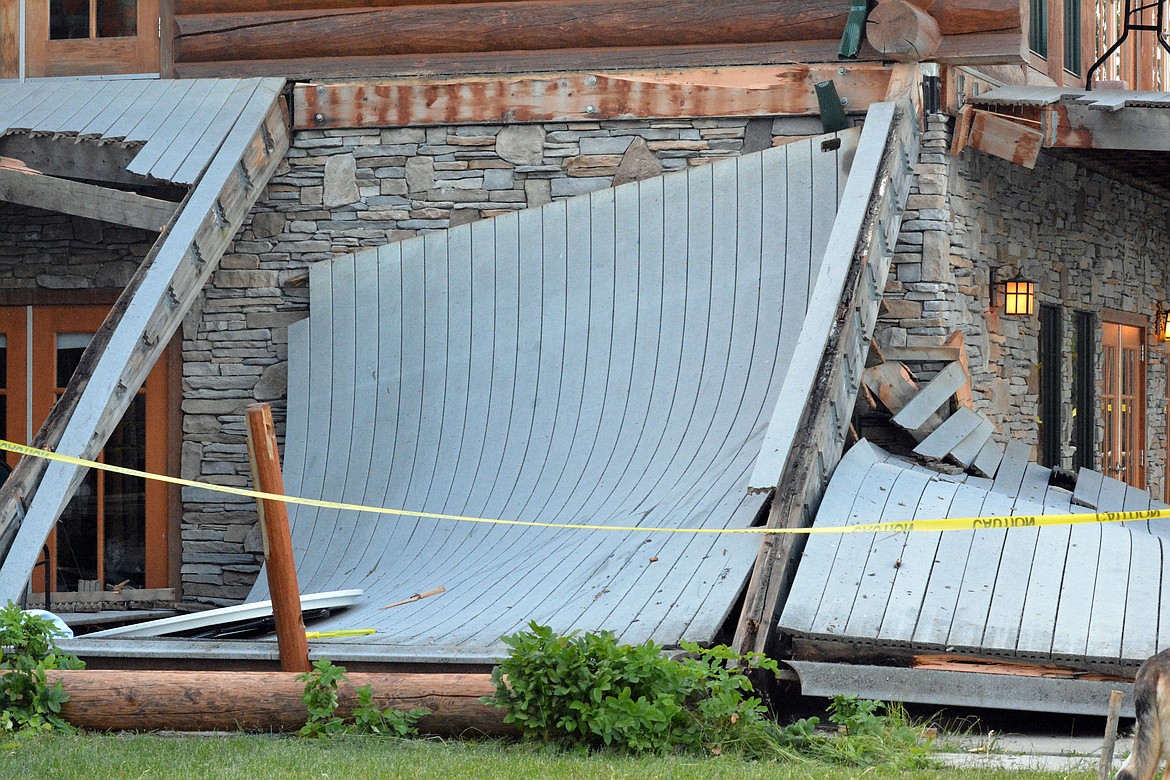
68	19
77	536
117	18
1038	30
125	500
70	347
1072	36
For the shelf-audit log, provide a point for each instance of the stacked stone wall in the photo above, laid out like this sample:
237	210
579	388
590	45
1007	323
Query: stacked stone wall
1091	242
341	190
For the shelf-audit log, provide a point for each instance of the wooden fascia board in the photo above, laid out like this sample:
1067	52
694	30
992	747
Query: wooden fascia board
31	188
707	92
136	333
1079	127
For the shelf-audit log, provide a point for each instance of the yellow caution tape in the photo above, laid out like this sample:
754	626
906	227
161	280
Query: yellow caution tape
945	524
339	632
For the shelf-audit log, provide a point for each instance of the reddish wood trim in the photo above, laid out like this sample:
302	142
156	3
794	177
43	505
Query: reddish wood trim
1125	318
47	322
9	39
42	297
174	430
584	96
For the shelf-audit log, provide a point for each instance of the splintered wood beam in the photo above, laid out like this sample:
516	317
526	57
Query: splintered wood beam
20	184
74	158
137	330
698	92
1005	138
902	32
1081	127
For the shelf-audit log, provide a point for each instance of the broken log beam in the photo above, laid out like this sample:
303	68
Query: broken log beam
172	700
902	31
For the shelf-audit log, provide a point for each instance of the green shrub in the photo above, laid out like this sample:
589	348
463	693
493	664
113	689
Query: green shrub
586	689
320	698
27	651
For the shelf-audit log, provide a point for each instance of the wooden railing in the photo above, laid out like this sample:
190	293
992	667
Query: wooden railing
1140	62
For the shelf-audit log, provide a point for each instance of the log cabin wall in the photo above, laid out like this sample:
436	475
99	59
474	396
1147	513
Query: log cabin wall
303	39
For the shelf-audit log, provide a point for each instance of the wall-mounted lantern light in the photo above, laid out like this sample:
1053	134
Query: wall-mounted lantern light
1016	296
1162	324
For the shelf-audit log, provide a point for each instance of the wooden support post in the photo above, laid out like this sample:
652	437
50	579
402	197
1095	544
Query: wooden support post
1105	767
278	554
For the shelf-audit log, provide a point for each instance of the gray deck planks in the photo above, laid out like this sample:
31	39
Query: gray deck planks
937	392
132	92
1139	634
941	597
979	576
1015	565
1042	596
1088	488
205	120
988	459
165	133
847	568
917	564
816	561
885	550
953	431
1011	468
966	452
1109	604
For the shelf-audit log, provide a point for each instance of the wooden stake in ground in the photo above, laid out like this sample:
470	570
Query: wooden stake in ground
1106	766
278	554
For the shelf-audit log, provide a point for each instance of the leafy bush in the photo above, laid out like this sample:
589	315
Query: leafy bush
586	689
320	698
27	651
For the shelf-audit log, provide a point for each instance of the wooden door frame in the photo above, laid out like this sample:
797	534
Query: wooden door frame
48	321
140	53
1141	324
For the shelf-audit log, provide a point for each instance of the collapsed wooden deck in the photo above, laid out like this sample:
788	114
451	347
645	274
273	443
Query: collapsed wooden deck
612	359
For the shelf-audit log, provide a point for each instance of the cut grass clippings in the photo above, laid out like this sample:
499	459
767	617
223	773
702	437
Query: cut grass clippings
95	757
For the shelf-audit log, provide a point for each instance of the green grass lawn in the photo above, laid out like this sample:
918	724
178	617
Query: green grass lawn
94	757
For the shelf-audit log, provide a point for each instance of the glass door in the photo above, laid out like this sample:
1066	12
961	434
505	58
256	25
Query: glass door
1123	403
114	531
92	37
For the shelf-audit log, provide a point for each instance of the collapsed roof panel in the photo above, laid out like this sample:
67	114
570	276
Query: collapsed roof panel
607	360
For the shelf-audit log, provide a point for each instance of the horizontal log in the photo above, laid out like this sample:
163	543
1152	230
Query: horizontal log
510	26
903	32
959	17
1001	137
109	700
593	59
747	91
